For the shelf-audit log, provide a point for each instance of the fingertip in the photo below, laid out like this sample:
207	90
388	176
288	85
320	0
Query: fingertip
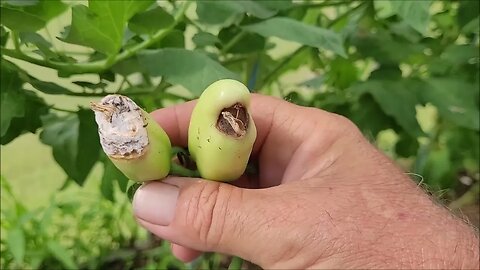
184	254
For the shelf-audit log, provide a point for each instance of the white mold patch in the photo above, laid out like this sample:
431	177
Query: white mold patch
121	126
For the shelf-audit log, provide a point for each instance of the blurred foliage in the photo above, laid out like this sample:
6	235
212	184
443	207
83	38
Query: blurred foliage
382	64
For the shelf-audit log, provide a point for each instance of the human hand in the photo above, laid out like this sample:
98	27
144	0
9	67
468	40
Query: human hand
324	198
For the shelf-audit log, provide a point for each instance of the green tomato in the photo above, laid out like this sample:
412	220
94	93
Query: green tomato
133	141
222	131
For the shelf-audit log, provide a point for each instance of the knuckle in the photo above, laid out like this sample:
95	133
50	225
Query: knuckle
206	212
346	127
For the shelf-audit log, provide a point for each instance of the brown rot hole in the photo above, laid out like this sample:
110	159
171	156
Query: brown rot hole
233	121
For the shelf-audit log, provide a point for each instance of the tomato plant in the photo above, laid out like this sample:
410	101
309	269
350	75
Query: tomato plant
406	70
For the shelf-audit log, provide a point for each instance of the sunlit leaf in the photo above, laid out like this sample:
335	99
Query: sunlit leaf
16	244
101	25
30	18
397	99
75	143
61	254
191	69
202	39
150	21
293	30
414	13
456	100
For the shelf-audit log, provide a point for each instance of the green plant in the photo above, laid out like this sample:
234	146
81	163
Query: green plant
406	72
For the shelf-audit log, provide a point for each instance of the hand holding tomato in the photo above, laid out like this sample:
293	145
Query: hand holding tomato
324	198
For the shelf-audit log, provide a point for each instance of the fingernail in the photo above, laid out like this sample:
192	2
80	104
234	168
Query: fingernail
155	203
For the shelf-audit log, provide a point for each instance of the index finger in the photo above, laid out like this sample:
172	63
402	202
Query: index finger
176	119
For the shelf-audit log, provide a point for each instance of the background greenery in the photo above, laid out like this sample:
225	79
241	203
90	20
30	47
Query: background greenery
406	72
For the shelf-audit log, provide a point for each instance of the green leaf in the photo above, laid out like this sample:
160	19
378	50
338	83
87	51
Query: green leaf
467	11
397	99
456	100
150	21
464	143
19	20
437	171
460	54
12	106
48	87
61	254
174	39
384	48
314	83
203	39
249	42
369	116
255	8
472	27
110	174
342	73
191	69
16	244
101	26
229	12
30	18
90	85
386	72
414	13
106	187
292	30
404	30
225	12
21	3
275	4
40	42
406	146
128	66
4	34
20	109
35	108
75	143
12	98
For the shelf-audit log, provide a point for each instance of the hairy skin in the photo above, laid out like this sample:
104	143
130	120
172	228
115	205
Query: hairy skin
324	198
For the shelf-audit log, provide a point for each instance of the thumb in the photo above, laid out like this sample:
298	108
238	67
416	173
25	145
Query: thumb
209	216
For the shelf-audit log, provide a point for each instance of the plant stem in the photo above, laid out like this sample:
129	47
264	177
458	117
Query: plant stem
233	42
61	110
233	60
178	170
347	13
285	61
321	5
101	65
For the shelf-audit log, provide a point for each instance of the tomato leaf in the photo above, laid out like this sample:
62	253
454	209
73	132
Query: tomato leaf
61	254
456	100
101	25
150	21
75	143
191	69
296	31
414	13
16	243
30	18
